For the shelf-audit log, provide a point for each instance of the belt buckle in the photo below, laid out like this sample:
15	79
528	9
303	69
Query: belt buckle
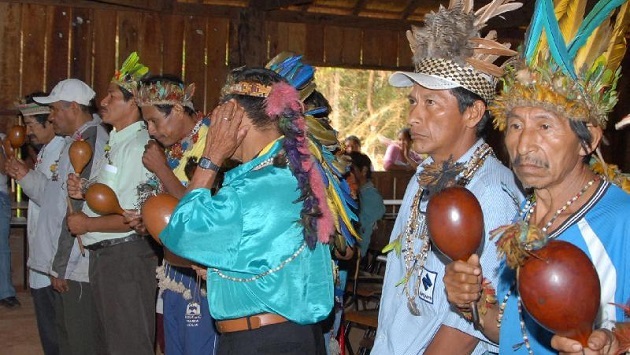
254	322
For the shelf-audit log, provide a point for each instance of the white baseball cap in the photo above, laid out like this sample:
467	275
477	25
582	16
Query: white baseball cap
406	79
68	90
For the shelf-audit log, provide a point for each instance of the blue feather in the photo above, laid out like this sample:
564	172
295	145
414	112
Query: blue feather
316	111
303	76
350	240
557	46
534	32
600	12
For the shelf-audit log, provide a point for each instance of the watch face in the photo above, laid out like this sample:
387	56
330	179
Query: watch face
206	163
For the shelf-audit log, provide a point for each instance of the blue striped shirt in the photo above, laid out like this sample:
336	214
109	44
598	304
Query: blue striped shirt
401	332
601	229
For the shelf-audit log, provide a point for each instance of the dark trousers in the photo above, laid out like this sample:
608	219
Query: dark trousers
44	302
74	310
124	290
286	338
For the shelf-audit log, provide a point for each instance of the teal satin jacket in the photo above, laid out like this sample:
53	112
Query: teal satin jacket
250	237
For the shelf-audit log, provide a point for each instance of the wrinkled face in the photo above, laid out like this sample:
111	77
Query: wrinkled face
114	108
542	146
435	122
37	132
61	116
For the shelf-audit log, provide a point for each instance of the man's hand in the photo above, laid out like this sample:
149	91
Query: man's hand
154	157
78	223
16	169
75	186
201	271
59	285
134	219
601	341
225	133
462	281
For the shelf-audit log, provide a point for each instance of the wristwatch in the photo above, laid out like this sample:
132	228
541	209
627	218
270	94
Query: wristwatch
207	164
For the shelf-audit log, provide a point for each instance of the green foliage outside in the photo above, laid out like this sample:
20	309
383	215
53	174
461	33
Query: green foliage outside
365	105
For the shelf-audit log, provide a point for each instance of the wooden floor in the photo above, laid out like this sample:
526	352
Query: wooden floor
18	328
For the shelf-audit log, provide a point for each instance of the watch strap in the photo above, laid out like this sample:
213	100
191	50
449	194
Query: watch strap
206	163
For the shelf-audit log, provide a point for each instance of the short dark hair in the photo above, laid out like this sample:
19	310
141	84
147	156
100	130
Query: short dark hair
41	118
465	99
354	139
255	107
360	161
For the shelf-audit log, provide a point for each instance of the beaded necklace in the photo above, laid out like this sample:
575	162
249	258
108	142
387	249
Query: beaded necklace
417	229
176	152
525	215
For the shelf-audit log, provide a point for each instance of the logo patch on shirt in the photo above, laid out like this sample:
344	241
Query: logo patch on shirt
193	314
427	285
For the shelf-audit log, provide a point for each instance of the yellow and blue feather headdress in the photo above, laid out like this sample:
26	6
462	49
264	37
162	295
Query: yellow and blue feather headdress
570	64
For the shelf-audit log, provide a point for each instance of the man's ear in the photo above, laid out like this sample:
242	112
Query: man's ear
596	133
474	114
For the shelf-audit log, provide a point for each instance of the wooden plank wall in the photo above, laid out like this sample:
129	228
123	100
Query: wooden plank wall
41	44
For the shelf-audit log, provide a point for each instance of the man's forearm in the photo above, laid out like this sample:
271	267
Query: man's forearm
449	340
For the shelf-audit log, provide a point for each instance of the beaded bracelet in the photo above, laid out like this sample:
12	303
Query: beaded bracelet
487	299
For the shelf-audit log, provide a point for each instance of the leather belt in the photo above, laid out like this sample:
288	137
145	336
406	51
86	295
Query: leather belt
111	242
249	323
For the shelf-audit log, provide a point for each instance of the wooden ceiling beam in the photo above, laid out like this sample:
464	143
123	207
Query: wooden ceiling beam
410	9
268	5
359	7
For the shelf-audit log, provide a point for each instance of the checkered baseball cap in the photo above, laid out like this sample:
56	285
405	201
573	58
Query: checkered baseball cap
442	74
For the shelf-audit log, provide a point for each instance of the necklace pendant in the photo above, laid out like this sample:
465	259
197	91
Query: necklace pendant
413	309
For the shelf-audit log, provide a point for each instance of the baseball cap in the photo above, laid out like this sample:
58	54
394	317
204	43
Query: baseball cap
401	79
68	90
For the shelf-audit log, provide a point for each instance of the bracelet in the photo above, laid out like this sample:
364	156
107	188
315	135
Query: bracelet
207	164
487	300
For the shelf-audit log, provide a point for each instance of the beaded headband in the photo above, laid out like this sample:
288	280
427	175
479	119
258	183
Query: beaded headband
33	109
246	88
164	93
130	73
570	64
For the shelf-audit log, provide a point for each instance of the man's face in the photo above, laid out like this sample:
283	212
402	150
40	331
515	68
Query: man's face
161	127
61	116
435	122
542	146
114	108
352	146
37	132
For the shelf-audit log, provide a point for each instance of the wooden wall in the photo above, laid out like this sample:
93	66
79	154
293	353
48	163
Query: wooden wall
41	44
45	41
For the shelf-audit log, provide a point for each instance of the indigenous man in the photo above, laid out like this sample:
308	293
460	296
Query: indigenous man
553	110
42	135
172	121
71	116
261	235
122	262
447	119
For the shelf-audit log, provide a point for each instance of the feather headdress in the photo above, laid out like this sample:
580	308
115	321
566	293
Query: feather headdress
570	64
330	168
448	51
131	72
165	93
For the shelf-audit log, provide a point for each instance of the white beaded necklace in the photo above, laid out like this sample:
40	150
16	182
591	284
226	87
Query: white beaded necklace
525	215
417	229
